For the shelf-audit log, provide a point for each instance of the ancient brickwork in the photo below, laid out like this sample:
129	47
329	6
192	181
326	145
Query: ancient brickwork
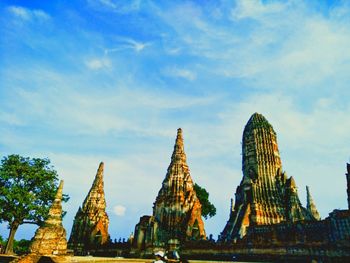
90	226
265	195
177	207
310	205
332	230
50	239
294	210
176	211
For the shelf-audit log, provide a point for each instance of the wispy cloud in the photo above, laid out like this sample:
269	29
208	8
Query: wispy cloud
286	41
180	73
94	112
255	9
98	63
28	14
127	43
116	5
9	118
119	210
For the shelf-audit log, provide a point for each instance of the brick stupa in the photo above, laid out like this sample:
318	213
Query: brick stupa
90	226
50	239
177	214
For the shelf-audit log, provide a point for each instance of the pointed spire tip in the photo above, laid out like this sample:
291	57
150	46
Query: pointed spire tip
100	169
59	190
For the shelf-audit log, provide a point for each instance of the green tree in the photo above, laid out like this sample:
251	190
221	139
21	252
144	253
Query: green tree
21	247
2	243
27	189
208	209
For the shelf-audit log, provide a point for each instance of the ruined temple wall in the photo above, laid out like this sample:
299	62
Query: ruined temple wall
339	225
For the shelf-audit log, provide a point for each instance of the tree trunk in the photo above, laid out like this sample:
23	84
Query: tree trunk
9	245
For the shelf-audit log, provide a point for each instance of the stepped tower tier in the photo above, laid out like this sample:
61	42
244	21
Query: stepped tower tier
265	196
90	226
177	212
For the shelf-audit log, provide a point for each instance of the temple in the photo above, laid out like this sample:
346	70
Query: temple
265	195
177	214
50	239
90	226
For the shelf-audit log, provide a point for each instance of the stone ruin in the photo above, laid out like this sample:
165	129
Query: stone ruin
265	196
177	214
267	212
90	226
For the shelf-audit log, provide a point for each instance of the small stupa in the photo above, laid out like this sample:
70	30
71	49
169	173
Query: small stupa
310	205
50	239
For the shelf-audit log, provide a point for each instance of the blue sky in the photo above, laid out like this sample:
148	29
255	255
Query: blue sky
105	80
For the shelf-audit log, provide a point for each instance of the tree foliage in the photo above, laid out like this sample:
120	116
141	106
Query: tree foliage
27	189
2	242
21	247
208	209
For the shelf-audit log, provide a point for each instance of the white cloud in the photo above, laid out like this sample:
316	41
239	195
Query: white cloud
117	6
180	73
93	112
20	12
287	46
28	14
255	9
10	119
119	210
136	45
97	63
173	51
127	43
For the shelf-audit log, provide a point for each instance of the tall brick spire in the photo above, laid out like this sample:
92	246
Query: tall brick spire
90	225
177	212
177	207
